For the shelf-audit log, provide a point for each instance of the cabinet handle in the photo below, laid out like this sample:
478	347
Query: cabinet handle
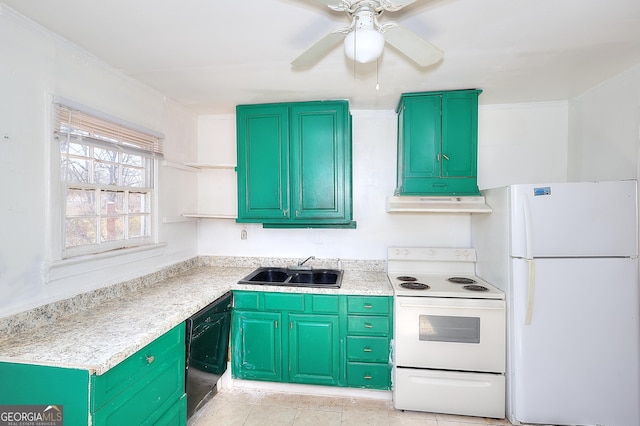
297	213
284	212
368	325
368	306
291	325
367	349
368	377
276	323
150	359
445	156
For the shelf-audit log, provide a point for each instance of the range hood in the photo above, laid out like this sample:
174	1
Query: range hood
437	204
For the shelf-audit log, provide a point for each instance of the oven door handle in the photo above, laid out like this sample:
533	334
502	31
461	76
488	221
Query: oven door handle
450	382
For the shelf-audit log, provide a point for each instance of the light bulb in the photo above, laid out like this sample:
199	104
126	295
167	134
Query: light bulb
363	45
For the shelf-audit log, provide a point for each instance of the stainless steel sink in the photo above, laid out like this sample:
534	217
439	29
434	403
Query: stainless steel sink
325	278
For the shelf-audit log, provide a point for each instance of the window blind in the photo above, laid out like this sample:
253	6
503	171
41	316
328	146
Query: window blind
72	122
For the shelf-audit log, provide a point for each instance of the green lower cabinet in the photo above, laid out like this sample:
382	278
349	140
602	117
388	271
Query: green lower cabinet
257	347
314	353
369	329
312	339
147	388
66	388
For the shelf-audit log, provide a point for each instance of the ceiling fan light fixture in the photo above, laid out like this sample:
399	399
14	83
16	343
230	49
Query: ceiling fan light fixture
363	45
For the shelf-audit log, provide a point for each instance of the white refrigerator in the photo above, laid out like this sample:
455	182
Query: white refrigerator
566	255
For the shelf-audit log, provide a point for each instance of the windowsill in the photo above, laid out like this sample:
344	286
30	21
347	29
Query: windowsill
73	266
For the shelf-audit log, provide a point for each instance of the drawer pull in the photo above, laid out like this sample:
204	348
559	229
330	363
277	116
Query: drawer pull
150	359
367	349
368	306
368	325
368	377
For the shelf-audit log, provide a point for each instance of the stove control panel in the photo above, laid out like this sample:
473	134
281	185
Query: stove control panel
431	254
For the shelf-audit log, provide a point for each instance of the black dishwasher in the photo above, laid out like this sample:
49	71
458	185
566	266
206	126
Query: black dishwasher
207	343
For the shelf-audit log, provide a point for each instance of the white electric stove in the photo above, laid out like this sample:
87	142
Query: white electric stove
437	272
449	333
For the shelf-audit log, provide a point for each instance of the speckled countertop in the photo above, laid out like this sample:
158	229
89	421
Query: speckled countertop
114	323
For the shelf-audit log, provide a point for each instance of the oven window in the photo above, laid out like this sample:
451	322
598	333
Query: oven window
437	328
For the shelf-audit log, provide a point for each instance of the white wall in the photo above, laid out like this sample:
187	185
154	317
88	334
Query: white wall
522	143
515	142
605	130
36	65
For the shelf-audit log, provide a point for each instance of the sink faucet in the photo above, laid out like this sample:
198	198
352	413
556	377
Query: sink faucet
301	265
306	260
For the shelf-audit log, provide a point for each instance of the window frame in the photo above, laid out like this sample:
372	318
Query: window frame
147	168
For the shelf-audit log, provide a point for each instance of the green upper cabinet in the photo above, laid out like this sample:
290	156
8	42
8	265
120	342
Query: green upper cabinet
438	143
294	164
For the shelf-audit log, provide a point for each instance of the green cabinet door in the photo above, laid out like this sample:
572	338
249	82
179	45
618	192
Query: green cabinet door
314	356
459	134
437	143
263	157
294	164
257	345
320	162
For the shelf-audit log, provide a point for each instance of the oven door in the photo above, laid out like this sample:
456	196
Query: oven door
450	333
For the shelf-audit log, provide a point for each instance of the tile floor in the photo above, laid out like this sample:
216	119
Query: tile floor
262	408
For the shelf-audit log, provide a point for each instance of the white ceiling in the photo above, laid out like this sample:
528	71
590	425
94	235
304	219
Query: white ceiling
211	55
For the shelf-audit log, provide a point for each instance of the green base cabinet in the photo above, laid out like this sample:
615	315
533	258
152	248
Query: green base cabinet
294	164
312	339
368	332
314	349
146	388
257	345
438	143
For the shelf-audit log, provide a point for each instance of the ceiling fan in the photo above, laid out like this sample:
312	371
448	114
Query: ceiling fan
365	37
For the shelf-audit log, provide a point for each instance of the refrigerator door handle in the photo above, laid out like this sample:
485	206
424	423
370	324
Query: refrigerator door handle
531	290
528	240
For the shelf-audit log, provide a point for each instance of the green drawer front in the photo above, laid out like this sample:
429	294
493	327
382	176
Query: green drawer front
176	416
368	325
328	304
246	300
368	304
142	363
283	302
365	375
147	400
368	349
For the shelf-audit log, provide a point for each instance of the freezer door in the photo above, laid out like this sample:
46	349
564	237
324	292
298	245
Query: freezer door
576	360
574	219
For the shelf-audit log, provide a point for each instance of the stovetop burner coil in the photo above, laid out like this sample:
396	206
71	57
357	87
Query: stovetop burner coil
461	280
407	278
474	287
412	285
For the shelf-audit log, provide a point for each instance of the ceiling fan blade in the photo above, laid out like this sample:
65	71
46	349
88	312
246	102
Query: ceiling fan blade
410	44
330	3
318	50
397	4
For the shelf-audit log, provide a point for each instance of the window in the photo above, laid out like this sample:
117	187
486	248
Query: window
107	180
